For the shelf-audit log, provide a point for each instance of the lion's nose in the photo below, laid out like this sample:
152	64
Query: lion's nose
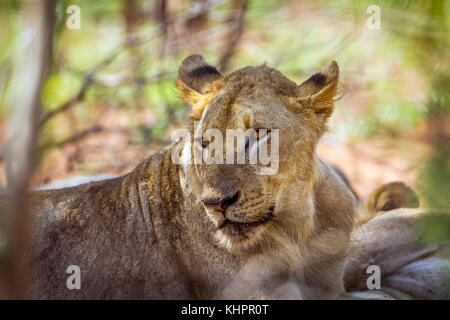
221	203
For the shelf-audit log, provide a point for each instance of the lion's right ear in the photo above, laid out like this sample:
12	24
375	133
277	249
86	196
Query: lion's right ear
195	79
319	90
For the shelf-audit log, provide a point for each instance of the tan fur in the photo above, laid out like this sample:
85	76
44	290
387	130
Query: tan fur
305	243
387	197
388	236
148	235
410	268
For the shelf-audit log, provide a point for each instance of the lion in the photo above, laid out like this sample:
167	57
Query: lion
188	231
191	230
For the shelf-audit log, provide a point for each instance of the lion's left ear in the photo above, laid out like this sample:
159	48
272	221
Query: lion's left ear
319	90
195	79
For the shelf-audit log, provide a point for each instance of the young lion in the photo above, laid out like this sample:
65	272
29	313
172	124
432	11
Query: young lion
189	230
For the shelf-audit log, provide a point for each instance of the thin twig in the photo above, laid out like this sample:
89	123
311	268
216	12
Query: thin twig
89	78
77	137
118	81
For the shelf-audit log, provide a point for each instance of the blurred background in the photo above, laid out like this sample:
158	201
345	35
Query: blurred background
108	100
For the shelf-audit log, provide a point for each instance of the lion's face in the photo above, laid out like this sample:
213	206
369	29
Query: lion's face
273	116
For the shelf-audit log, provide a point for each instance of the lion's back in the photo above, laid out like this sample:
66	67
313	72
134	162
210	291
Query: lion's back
111	231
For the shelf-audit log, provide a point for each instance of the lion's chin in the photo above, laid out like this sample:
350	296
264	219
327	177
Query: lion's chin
233	235
240	241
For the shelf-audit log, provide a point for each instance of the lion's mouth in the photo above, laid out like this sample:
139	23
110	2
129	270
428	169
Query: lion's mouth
234	228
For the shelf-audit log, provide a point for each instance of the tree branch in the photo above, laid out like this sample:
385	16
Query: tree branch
23	127
89	78
235	35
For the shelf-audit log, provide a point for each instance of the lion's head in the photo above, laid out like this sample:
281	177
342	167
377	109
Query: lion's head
243	201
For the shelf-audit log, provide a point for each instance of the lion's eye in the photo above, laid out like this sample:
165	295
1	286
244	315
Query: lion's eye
261	133
205	143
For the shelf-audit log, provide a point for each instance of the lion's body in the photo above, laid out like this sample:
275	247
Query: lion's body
410	268
132	237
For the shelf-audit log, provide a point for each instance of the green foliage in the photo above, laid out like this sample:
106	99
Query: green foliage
162	94
434	180
439	99
390	119
435	228
59	88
